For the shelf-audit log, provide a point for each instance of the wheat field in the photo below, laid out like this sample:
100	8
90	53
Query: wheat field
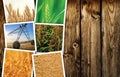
17	63
25	46
15	16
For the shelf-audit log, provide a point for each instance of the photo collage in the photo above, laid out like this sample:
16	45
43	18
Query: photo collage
34	38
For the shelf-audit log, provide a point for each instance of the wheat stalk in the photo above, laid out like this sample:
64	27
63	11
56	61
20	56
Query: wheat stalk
47	13
15	16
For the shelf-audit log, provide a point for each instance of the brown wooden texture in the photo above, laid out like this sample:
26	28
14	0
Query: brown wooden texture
90	36
72	39
1	34
111	38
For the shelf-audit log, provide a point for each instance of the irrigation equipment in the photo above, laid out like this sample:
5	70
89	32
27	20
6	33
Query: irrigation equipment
21	29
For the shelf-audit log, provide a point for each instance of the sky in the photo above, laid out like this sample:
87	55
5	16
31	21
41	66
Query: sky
13	37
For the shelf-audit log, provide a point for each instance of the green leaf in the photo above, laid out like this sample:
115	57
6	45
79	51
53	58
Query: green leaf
55	19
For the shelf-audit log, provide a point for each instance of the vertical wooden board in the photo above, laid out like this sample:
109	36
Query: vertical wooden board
72	39
90	31
2	20
111	38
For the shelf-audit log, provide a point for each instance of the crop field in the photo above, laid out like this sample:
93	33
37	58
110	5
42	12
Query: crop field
18	13
17	64
19	36
49	38
25	46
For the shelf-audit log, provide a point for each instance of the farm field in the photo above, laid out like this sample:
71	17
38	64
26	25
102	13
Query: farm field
25	46
14	12
20	36
17	63
49	38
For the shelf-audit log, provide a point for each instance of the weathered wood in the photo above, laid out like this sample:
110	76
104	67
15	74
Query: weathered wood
1	35
90	31
111	38
72	39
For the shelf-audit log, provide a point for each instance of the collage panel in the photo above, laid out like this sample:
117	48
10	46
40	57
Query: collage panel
25	35
19	10
50	11
49	38
48	64
20	35
17	63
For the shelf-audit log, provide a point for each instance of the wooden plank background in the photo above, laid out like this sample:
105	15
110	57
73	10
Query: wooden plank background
72	39
111	38
98	38
2	20
92	38
90	32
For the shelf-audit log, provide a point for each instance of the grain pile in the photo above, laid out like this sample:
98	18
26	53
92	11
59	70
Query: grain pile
48	65
17	64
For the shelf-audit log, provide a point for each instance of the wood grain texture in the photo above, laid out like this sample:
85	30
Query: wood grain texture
111	38
2	20
90	33
72	39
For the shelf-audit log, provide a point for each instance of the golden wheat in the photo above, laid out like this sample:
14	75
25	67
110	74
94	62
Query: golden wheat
18	64
15	16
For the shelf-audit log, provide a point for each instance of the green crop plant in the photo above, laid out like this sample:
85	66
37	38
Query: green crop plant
50	11
49	41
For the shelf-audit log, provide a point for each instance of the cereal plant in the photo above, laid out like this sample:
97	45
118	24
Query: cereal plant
47	39
15	16
50	11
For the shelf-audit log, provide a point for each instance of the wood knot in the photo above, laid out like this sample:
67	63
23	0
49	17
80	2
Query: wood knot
75	45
